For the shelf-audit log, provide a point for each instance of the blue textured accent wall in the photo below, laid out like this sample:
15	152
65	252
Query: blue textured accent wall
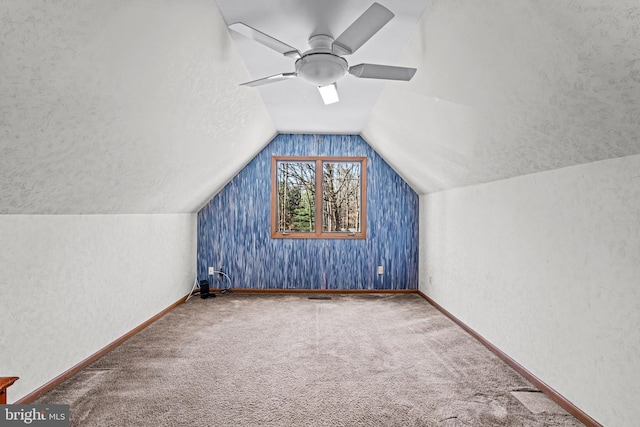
234	233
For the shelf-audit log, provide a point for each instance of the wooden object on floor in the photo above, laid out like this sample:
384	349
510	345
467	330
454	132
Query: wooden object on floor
5	382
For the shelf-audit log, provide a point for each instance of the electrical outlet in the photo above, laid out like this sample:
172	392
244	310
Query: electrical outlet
211	270
380	269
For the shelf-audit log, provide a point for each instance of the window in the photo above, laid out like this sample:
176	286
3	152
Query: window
318	197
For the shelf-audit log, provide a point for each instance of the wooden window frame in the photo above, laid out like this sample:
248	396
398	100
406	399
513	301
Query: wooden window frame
318	233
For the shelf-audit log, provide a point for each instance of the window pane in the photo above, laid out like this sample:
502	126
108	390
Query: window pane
341	196
296	196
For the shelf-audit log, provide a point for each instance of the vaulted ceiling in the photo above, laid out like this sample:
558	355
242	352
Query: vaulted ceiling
134	106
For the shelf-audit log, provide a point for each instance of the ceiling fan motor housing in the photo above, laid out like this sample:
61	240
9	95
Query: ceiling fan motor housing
321	69
319	65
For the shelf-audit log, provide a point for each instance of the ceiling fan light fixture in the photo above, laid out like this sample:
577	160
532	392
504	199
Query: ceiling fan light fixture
329	93
321	69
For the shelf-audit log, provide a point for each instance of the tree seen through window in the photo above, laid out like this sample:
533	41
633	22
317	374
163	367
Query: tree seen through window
335	185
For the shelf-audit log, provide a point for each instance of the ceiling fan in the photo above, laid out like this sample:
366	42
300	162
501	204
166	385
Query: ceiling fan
323	65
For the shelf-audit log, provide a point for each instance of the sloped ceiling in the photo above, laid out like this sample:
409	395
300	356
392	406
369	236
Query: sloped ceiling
120	106
509	88
133	106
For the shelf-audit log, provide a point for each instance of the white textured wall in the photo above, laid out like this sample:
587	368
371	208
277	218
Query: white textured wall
72	284
547	267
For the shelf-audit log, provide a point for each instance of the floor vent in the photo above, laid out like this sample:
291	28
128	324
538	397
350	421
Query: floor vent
319	297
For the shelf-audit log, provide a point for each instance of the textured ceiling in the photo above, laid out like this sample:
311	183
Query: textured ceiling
120	106
133	106
510	88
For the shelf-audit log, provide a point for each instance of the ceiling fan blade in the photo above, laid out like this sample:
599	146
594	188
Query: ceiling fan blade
265	39
362	29
270	79
329	93
386	72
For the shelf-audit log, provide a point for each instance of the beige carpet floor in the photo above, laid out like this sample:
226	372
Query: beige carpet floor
289	360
